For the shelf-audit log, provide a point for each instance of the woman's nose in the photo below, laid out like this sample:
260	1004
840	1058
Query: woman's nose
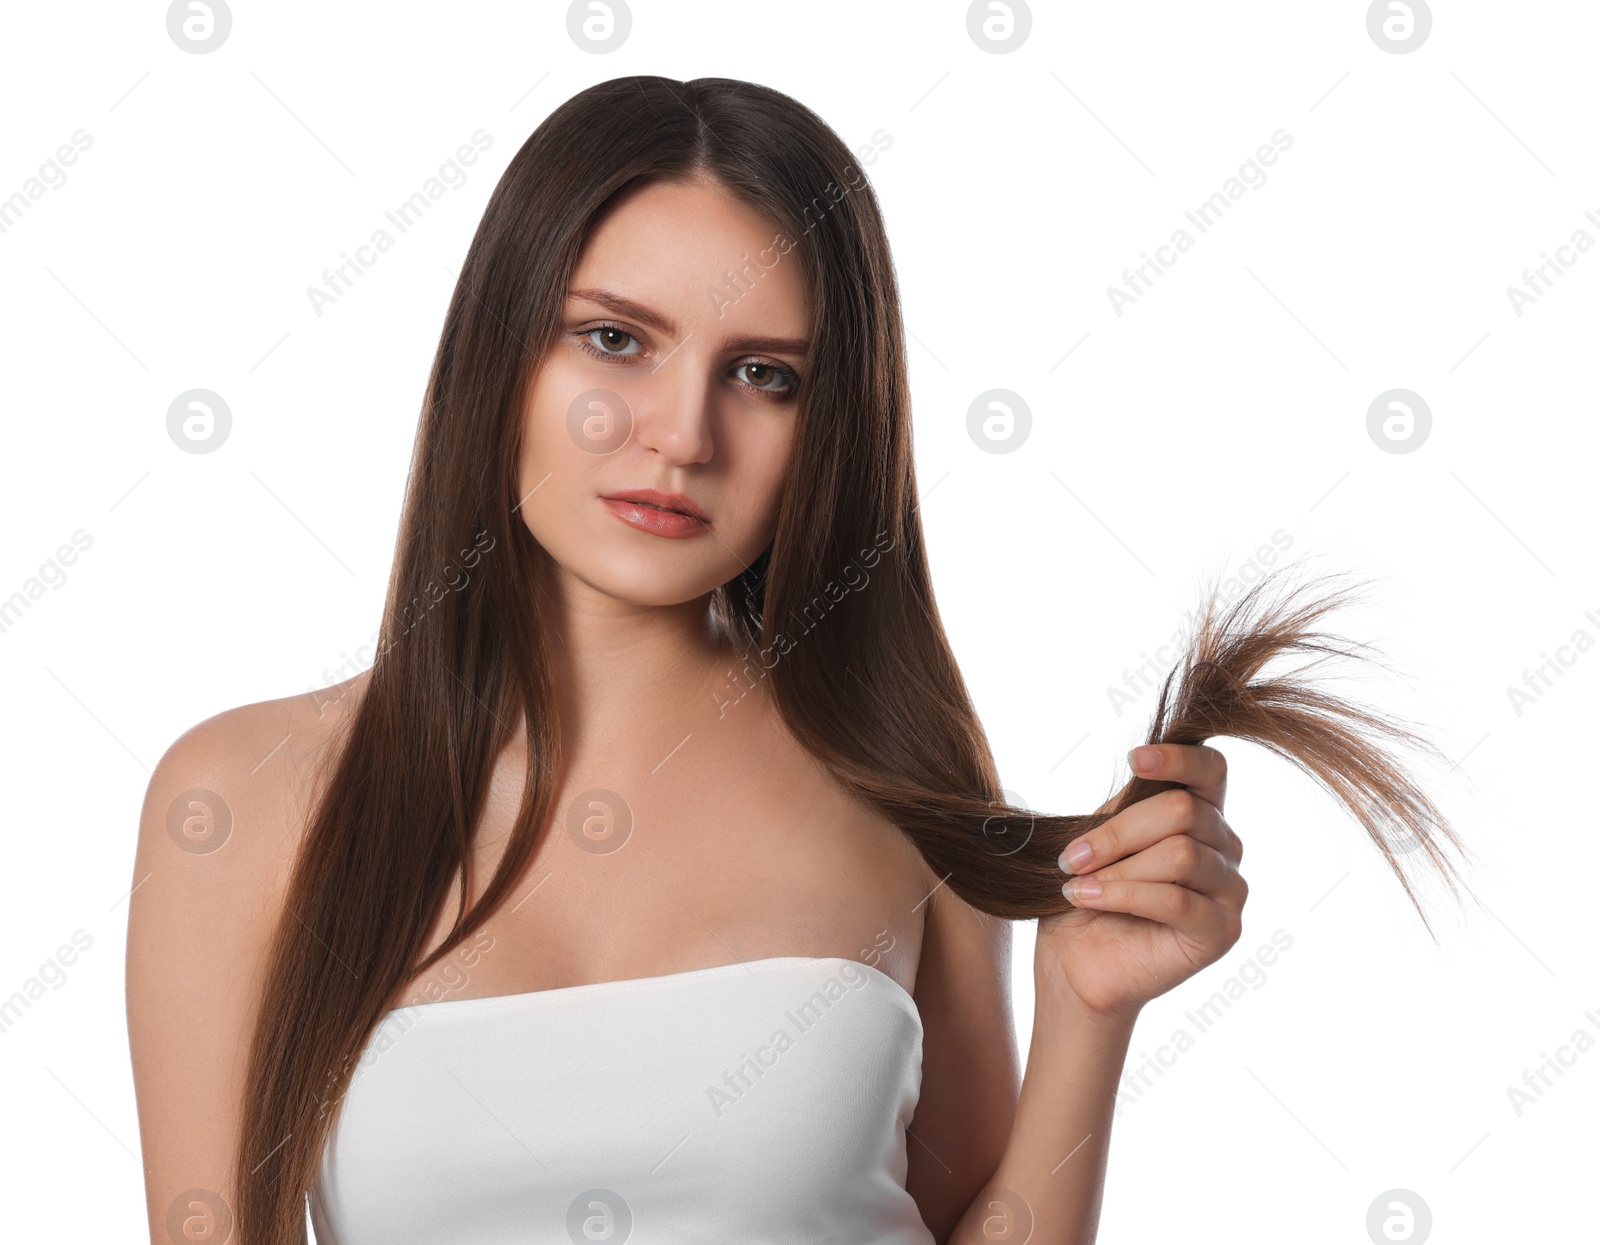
673	411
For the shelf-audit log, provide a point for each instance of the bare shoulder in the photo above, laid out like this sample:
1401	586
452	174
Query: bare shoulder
971	1068
857	837
966	958
236	787
221	823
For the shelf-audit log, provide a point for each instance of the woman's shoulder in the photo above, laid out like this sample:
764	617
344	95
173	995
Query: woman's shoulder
217	838
242	781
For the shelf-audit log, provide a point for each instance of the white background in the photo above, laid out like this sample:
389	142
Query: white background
1226	404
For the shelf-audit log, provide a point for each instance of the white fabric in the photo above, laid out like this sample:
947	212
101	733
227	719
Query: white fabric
759	1102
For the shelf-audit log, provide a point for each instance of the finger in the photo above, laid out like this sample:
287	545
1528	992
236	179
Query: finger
1141	825
1201	768
1200	919
1184	861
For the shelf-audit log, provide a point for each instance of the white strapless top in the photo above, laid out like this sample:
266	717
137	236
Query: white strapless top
762	1102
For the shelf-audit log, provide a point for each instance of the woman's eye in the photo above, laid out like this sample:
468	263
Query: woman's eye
763	374
612	337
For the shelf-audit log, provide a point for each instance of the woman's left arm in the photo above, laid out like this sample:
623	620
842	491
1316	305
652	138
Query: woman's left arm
1158	894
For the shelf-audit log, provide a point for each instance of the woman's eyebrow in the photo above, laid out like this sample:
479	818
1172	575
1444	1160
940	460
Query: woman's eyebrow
621	305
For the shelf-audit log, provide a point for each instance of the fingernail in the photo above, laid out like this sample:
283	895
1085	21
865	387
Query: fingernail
1145	759
1083	888
1078	855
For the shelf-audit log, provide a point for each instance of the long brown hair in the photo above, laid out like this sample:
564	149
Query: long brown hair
870	686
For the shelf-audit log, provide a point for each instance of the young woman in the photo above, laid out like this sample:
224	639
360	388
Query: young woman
655	882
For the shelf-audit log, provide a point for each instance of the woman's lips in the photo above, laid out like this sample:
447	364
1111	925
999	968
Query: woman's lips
648	518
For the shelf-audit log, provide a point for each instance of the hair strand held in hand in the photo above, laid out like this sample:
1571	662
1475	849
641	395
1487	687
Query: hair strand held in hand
1219	687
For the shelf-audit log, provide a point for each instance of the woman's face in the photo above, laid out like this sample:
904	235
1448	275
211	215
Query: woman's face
675	373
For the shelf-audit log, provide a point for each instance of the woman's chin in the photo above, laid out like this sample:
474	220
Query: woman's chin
642	581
